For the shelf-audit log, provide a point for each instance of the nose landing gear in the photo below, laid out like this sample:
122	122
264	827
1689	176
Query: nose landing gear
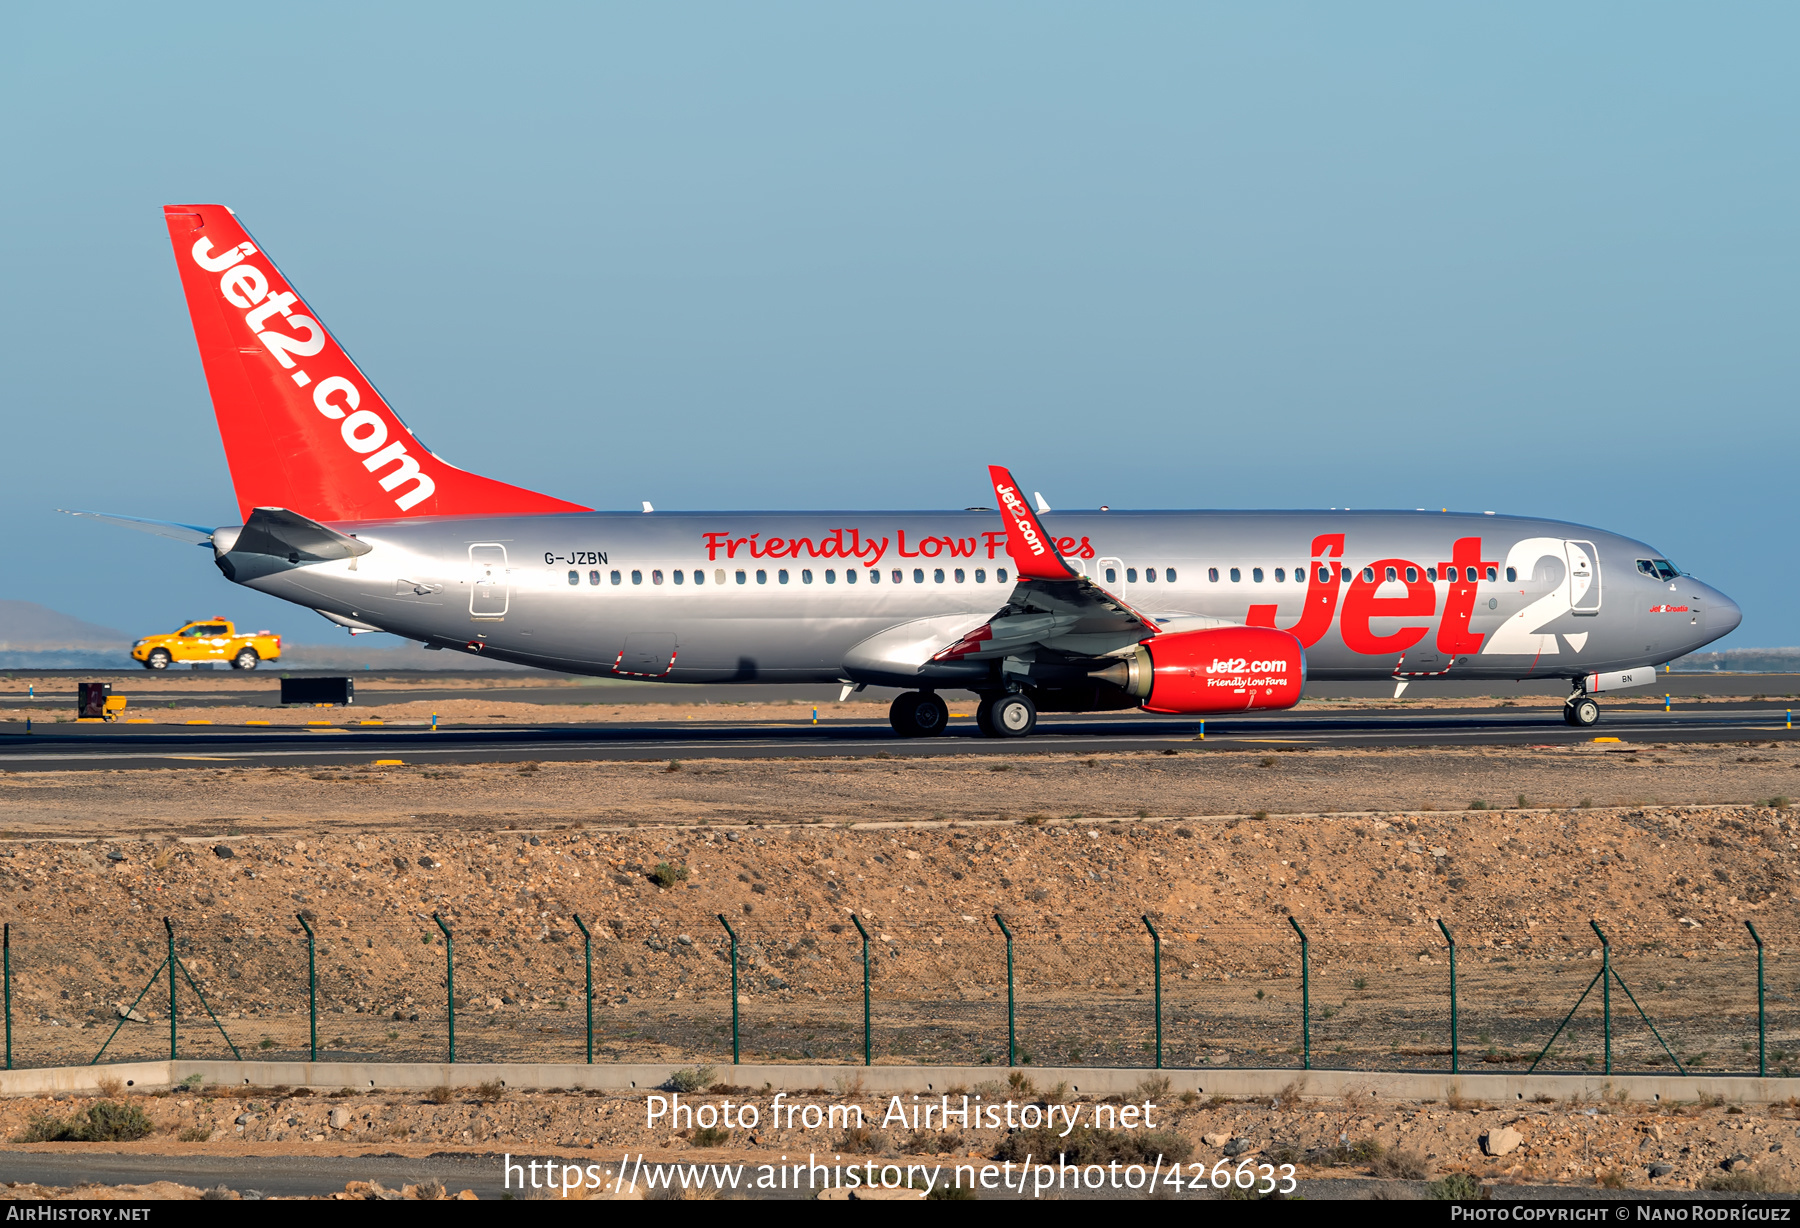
1581	711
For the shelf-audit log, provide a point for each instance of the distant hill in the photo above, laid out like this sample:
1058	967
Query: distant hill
26	626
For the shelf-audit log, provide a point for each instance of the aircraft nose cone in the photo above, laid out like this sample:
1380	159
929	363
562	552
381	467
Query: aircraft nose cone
1722	615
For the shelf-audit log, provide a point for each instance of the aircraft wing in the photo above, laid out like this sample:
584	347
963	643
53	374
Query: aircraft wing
1052	605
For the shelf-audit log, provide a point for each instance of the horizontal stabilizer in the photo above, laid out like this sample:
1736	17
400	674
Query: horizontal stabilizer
193	534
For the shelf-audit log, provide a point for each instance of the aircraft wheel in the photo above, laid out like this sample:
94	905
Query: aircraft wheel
1581	712
158	658
984	716
246	659
918	714
1013	716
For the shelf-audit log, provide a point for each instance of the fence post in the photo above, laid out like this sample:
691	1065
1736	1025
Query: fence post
312	991
1305	997
1605	990
449	980
587	955
1455	1051
868	1044
1012	1035
1156	947
735	1052
6	954
170	930
1762	1019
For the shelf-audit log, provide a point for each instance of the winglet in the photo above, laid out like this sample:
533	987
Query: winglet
1033	550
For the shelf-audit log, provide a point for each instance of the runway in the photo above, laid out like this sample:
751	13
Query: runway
107	747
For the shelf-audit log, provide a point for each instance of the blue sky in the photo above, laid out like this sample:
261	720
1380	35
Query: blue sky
1534	258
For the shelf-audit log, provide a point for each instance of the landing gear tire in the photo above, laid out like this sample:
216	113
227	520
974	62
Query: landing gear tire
983	718
158	658
918	714
1011	716
246	659
1581	712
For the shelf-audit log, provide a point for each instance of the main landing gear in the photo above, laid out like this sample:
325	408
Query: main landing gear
1581	711
1006	716
921	714
918	714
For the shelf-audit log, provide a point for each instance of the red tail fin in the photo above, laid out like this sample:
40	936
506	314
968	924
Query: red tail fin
1034	552
303	428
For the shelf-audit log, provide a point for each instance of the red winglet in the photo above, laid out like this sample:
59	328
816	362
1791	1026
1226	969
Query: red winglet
1034	552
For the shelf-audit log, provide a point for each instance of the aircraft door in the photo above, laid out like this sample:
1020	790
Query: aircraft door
491	589
1584	577
1109	574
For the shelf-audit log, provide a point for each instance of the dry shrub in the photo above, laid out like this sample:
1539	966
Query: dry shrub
861	1141
441	1094
1289	1096
710	1136
111	1086
490	1092
931	1143
104	1121
1086	1145
1401	1164
1151	1087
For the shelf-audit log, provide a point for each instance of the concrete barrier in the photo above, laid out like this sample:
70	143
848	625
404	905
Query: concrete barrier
1377	1085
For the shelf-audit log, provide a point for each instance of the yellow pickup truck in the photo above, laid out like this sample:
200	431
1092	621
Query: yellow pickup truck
215	639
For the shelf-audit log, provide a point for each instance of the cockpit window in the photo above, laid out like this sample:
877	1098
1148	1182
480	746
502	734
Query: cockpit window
1660	569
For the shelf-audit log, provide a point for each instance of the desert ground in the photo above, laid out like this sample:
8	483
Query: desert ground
1669	848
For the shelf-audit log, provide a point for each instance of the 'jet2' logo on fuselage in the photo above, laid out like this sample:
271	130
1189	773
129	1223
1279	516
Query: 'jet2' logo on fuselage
246	287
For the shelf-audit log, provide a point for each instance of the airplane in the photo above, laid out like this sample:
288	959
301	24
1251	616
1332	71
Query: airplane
345	512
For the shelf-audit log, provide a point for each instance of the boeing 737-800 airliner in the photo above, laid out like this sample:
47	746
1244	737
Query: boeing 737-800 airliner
345	512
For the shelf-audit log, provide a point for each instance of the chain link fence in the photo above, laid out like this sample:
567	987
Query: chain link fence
1373	996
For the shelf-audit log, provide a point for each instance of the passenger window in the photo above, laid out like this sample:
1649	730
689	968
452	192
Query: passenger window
1237	576
615	577
1000	576
781	576
1512	575
1112	575
1392	574
918	575
740	578
1280	575
960	575
593	577
980	575
898	576
637	577
762	577
719	575
1493	576
937	574
1368	575
874	576
831	575
849	576
1131	575
1256	575
1412	575
699	576
1324	575
1212	573
657	577
1451	573
1150	575
1169	575
806	575
574	577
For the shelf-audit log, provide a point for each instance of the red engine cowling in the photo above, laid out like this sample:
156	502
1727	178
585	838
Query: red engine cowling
1221	669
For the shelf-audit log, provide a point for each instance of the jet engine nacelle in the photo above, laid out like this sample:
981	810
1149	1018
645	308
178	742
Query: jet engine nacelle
1219	669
